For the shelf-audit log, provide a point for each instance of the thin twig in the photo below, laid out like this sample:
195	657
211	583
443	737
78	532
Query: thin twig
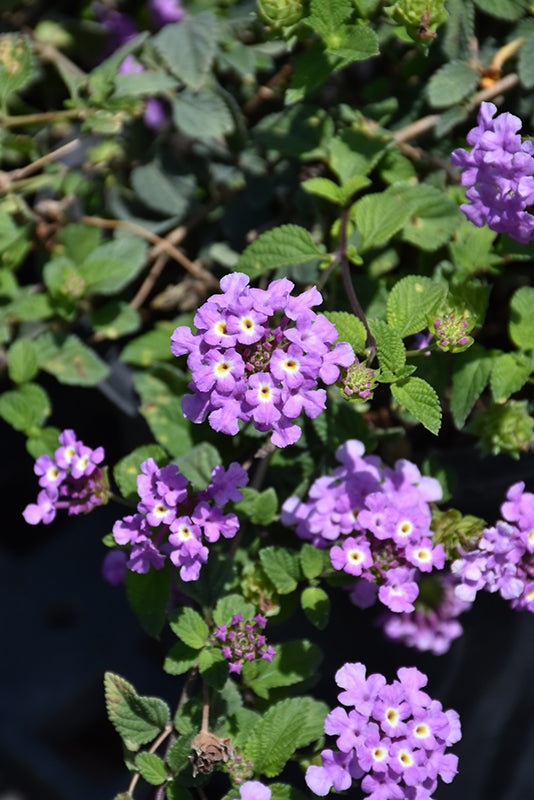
39	163
41	117
205	708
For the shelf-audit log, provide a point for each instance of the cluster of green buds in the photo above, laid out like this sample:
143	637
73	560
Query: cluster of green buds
505	428
419	18
451	330
281	13
358	381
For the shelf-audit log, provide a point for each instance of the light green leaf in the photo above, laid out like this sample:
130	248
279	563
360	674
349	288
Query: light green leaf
201	115
115	319
140	84
152	768
326	18
286	726
311	561
112	266
349	329
137	720
294	662
22	361
163	412
16	64
284	246
471	373
391	350
180	659
150	347
325	188
42	440
70	361
351	43
149	594
521	318
198	464
189	47
25	408
420	399
410	302
281	567
433	219
472	248
260	507
189	626
378	217
213	667
451	84
525	63
509	374
283	791
316	605
232	604
126	470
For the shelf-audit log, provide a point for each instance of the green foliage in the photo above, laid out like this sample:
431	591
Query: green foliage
293	663
137	720
284	246
126	470
149	595
152	768
189	627
282	568
315	603
259	507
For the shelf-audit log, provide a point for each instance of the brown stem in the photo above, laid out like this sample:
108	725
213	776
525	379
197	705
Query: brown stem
205	708
41	117
39	163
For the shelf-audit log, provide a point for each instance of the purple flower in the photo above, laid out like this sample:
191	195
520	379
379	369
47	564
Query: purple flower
499	175
244	641
164	12
114	567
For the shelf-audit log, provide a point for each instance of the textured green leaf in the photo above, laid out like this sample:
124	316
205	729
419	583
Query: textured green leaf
163	412
189	47
232	604
25	408
410	302
460	28
259	507
115	319
180	659
433	219
316	605
112	266
16	64
525	63
521	318
22	361
391	350
201	115
152	768
189	626
471	373
159	192
150	347
177	791
352	154
147	83
148	595
503	9
126	470
472	248
137	720
198	464
178	755
281	567
294	662
284	246
420	399
70	361
326	18
378	217
213	667
351	43
451	84
349	329
325	188
288	725
509	374
311	561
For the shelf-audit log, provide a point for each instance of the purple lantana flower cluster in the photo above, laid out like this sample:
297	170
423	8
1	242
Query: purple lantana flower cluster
175	521
257	356
499	175
394	737
254	790
503	559
376	520
431	627
244	641
71	480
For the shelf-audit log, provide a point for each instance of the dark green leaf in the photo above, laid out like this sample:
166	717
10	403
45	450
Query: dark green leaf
201	115
198	464
189	47
148	595
282	568
471	373
411	301
294	662
316	605
420	399
138	720
451	84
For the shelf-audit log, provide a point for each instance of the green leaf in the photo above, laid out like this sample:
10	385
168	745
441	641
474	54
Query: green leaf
472	248
213	667
137	720
69	360
293	663
42	440
189	46
126	470
525	63
16	64
451	84
351	43
189	626
22	361
198	464
353	154
280	247
232	604
325	188
150	347
316	605
281	567
283	791
349	329
460	28
115	319
152	768
25	408
509	374
286	726
433	219
503	9
159	192
378	217
326	18
311	561
201	115
112	266
471	373
391	350
521	318
139	84
180	659
259	507
410	302
420	399
178	755
148	595
163	412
